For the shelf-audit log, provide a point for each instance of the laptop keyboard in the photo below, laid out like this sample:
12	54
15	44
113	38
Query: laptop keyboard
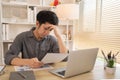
61	72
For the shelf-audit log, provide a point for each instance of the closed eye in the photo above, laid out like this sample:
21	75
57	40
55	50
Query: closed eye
51	29
46	28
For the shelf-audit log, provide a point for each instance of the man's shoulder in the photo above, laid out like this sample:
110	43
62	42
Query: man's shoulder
24	34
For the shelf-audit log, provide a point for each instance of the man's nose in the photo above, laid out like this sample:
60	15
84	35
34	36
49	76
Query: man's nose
46	31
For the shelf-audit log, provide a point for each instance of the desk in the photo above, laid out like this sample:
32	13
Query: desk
97	73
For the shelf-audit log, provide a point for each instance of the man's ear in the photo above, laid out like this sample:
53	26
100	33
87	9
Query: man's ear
37	24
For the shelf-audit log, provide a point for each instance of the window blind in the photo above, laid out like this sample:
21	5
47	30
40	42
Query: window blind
110	24
107	33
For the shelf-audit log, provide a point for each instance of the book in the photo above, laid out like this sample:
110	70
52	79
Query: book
4	31
7	32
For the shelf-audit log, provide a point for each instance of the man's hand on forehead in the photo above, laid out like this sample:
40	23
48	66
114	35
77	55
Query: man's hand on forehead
51	27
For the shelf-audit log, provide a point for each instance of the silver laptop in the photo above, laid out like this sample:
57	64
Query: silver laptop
79	61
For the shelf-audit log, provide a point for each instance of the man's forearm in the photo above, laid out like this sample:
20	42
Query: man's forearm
19	62
61	44
33	62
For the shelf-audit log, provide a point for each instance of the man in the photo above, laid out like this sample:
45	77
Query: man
35	44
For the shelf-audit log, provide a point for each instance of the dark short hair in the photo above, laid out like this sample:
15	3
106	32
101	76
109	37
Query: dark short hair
47	16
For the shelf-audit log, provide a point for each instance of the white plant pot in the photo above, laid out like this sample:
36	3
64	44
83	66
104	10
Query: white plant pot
110	70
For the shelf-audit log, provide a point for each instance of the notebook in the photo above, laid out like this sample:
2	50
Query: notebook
22	75
79	61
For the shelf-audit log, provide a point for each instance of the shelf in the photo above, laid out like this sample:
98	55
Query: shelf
19	23
14	4
24	4
10	41
64	22
44	6
29	23
68	40
7	41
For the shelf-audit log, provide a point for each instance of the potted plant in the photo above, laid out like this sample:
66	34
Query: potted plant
110	60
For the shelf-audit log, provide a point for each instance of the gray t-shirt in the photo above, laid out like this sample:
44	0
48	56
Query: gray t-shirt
30	47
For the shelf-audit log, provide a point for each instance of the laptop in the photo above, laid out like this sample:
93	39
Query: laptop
79	61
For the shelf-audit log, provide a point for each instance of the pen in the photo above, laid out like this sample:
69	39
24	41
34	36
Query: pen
116	54
109	55
104	56
22	75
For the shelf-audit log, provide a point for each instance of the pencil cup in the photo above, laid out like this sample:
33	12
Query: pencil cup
110	70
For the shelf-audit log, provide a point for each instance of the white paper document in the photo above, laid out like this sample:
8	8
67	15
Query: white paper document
54	57
27	68
2	67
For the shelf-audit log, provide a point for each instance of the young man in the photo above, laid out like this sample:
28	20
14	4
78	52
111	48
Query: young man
35	44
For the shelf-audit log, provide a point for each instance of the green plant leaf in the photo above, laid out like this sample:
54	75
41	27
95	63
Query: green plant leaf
110	63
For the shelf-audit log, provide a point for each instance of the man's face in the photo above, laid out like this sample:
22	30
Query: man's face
44	29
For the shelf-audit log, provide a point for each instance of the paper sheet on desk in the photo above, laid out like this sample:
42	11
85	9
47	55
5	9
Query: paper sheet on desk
1	67
54	57
26	68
